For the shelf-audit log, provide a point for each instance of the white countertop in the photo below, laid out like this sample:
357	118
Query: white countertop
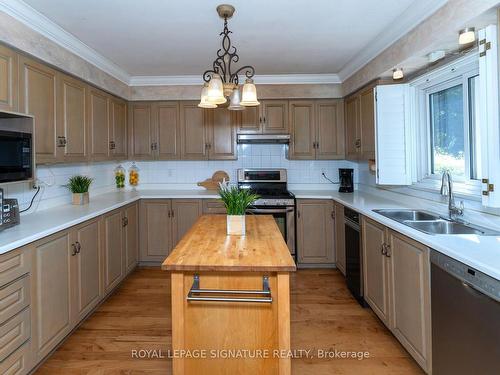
479	252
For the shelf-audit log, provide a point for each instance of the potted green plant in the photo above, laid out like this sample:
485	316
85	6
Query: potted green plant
236	201
79	187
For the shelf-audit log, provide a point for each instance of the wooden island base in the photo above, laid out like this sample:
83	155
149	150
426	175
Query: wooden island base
231	317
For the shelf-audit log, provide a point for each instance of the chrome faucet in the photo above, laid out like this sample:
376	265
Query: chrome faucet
447	190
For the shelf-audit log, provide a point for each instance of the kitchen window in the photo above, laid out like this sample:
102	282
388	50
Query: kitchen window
446	134
452	136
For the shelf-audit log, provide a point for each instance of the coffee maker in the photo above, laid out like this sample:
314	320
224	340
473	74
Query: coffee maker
346	180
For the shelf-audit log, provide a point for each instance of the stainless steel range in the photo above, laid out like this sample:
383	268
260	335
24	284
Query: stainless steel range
275	199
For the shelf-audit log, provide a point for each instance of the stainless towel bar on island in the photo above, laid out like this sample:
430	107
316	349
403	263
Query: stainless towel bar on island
196	293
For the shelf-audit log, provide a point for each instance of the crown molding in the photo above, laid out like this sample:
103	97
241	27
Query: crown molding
271	79
49	29
415	14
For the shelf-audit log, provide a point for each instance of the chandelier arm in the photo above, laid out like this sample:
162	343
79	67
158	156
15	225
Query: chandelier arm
249	73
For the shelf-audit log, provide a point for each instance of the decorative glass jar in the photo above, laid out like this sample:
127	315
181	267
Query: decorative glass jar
120	177
133	175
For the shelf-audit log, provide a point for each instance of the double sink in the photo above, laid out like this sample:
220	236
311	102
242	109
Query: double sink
431	223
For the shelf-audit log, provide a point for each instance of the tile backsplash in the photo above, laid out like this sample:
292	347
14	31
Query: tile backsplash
175	174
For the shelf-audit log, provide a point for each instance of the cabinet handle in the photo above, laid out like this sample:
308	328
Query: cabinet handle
169	215
124	221
78	247
383	249
74	251
152	146
173	215
61	141
332	214
358	143
317	145
260	119
388	251
264	119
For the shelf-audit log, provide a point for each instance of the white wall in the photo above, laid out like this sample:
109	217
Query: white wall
176	174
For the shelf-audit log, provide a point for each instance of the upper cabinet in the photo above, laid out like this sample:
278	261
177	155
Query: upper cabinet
317	129
71	119
270	117
118	128
360	125
140	131
98	117
8	80
38	98
166	130
194	142
221	134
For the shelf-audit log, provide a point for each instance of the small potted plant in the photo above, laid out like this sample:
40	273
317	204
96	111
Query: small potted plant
79	186
236	201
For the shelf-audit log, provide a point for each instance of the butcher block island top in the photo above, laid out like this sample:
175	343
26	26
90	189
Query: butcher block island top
207	247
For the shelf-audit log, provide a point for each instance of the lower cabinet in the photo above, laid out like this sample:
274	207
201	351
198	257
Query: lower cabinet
339	237
131	236
163	223
397	287
315	232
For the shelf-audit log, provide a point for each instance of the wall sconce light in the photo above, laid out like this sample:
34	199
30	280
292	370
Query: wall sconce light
397	74
466	36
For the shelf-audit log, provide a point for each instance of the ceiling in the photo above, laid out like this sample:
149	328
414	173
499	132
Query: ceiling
180	37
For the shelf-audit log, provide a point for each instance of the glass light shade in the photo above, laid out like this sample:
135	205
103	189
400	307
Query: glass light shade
249	95
466	36
397	74
216	90
204	103
234	101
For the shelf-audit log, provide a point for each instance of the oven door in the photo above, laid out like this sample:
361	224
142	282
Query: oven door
285	219
16	158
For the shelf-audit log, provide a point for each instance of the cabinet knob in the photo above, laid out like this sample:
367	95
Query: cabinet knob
332	214
74	251
61	141
78	247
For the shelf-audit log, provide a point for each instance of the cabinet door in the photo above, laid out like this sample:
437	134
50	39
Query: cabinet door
167	127
221	127
194	143
38	98
52	315
367	124
375	268
410	294
113	249
98	125
250	121
302	129
351	128
118	128
184	215
141	131
274	116
339	237
71	119
156	231
315	231
86	269
132	236
9	80
330	129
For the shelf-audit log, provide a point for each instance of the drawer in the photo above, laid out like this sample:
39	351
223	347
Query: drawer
213	206
14	333
18	363
14	297
14	264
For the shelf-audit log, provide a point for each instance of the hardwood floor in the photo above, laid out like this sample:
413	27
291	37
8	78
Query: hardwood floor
324	316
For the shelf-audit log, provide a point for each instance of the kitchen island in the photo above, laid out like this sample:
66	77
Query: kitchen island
231	299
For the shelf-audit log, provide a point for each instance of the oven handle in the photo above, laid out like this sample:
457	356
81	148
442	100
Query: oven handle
270	211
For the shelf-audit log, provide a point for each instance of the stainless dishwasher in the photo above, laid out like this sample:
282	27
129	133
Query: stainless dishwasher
465	307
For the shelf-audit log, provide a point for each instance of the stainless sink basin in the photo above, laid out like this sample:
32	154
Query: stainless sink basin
443	227
404	215
431	223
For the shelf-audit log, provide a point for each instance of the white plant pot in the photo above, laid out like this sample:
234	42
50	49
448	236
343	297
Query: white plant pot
236	225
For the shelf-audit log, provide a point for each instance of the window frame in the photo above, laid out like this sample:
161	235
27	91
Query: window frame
458	72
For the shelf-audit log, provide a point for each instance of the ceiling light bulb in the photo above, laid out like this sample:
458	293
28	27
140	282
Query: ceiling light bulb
466	36
249	95
397	74
204	103
216	90
235	101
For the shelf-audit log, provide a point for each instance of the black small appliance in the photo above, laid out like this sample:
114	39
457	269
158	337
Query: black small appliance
346	180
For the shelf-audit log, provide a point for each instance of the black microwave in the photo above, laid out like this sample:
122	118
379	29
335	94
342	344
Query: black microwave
16	156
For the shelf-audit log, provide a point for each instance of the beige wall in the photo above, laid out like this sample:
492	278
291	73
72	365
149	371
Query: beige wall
424	38
263	91
20	36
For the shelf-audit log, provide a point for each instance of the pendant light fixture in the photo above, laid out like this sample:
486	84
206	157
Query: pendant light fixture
221	80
